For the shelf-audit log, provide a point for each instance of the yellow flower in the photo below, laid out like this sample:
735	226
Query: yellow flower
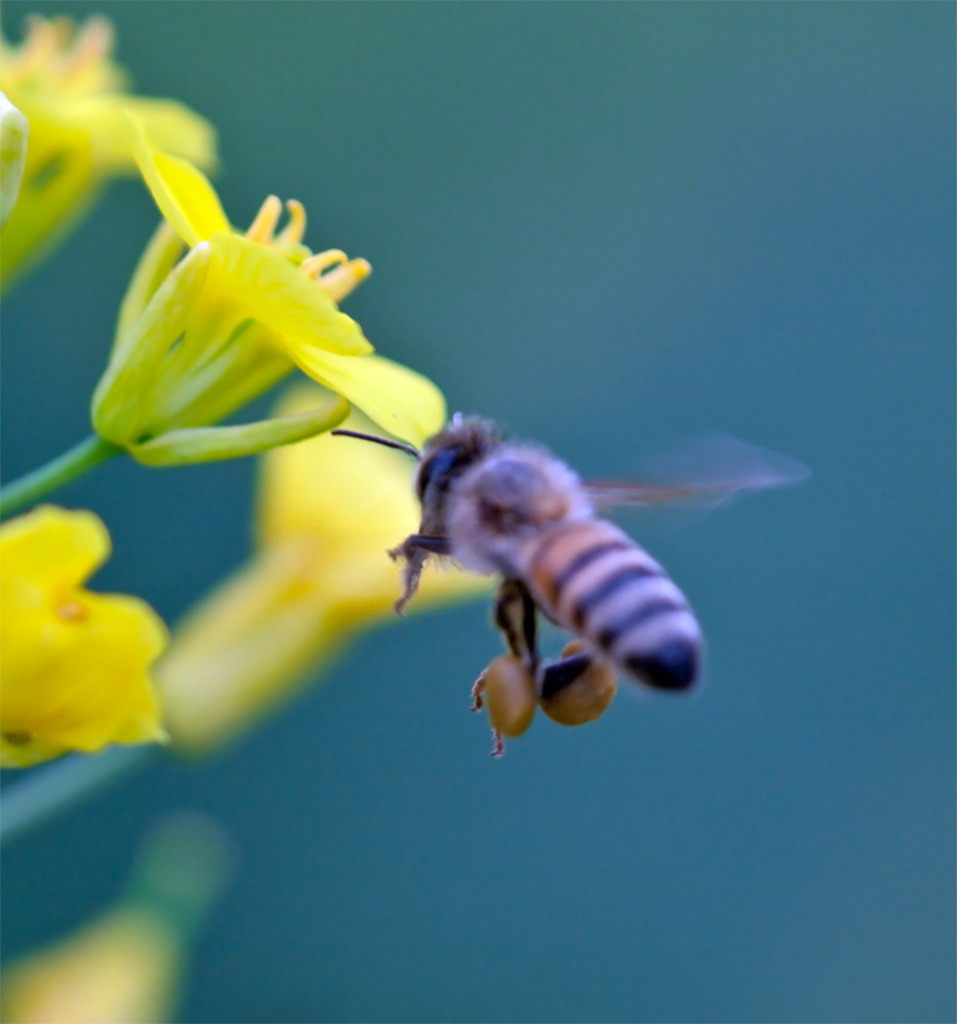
74	665
200	336
329	509
125	966
72	93
122	969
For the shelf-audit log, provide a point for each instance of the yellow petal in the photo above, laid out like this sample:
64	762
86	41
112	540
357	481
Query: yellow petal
121	969
171	127
353	494
398	399
262	282
53	548
181	191
244	650
80	682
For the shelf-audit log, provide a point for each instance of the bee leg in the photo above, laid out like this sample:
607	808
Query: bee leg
515	616
530	632
434	545
498	744
478	701
415	551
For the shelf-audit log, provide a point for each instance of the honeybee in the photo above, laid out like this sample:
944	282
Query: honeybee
517	511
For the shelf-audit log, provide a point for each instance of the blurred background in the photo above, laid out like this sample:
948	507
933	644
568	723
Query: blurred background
611	227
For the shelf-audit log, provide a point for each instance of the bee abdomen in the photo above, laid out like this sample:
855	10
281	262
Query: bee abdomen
595	581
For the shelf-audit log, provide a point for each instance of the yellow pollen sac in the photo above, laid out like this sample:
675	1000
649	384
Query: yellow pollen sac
509	692
262	228
292	233
588	697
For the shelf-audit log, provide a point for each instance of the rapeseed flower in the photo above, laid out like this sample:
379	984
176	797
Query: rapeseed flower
329	508
199	336
126	966
74	96
75	665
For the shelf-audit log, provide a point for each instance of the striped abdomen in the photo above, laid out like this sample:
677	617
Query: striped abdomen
595	581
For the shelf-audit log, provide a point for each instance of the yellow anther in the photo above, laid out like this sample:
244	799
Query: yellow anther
262	228
72	611
338	283
292	233
93	44
313	266
42	42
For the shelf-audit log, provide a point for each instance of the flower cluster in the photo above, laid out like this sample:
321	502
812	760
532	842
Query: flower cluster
212	317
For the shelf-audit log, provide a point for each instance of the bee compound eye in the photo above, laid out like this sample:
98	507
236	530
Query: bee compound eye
585	698
509	692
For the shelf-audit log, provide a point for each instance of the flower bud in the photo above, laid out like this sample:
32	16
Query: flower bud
126	965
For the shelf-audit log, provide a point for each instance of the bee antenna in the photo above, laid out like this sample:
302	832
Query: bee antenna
407	448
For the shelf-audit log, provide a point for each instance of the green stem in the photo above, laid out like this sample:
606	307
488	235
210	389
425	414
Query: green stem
61	470
50	791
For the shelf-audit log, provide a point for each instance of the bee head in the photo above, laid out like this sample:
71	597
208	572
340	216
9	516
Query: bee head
449	454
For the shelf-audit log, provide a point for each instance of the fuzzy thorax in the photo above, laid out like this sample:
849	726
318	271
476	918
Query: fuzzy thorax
507	500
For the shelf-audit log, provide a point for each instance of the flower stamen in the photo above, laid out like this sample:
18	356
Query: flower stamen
338	283
292	233
313	266
93	44
42	41
263	227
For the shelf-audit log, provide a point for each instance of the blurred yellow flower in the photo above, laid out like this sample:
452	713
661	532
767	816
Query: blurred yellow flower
329	509
200	336
63	79
74	665
126	966
120	969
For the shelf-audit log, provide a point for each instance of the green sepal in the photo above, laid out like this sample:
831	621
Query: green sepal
118	401
211	444
158	259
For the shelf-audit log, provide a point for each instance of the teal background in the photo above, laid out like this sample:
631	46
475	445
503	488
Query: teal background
611	227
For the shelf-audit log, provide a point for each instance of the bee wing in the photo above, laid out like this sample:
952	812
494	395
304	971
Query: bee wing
706	472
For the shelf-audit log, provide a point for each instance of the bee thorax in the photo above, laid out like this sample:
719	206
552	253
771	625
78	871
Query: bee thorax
506	501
